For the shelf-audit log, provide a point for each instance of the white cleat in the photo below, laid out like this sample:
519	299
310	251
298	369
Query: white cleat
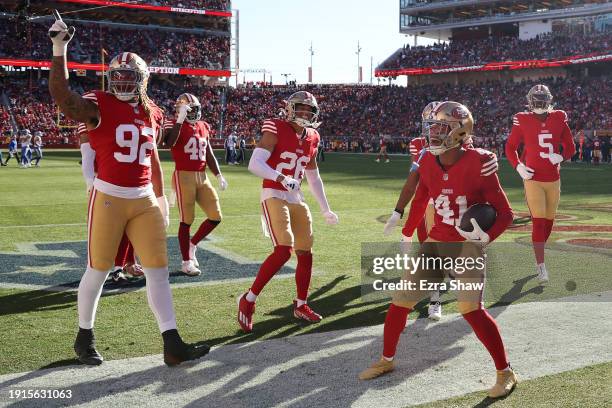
387	161
190	269
192	254
377	160
435	311
542	273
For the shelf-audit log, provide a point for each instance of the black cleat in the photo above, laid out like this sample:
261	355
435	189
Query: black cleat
85	348
177	351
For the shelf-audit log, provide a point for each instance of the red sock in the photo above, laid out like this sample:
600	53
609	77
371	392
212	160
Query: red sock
122	251
302	274
394	325
487	331
129	254
205	228
538	238
422	231
270	266
549	227
183	238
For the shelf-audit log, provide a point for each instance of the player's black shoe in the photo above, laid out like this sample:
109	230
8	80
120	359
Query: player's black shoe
85	348
176	350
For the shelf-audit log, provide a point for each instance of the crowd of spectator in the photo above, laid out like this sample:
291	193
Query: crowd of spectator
156	47
354	117
497	49
190	4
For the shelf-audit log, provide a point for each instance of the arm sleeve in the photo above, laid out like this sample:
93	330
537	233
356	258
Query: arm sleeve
316	188
88	158
417	210
567	140
514	140
495	195
258	165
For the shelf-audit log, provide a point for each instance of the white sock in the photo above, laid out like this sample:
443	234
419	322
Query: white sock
300	302
251	297
387	358
159	296
507	368
90	289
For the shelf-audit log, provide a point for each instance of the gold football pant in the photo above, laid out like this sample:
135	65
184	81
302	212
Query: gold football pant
430	213
142	221
468	299
289	224
193	187
543	198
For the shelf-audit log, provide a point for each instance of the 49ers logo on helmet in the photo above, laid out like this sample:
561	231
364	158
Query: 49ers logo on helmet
460	113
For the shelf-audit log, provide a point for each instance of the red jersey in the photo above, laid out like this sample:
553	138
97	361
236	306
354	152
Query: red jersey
292	151
124	140
471	180
383	143
189	150
416	145
540	140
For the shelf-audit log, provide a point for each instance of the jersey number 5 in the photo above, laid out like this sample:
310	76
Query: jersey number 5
142	152
442	205
294	162
542	139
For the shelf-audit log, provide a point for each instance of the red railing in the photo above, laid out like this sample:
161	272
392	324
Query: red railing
151	7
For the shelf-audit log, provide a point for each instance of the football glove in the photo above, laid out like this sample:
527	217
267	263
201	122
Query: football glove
330	217
290	184
476	235
222	182
392	222
525	172
555	158
60	35
182	113
165	211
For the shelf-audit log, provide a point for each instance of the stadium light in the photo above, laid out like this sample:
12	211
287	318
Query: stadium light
358	65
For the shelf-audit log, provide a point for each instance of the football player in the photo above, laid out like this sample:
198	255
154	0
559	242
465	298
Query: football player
541	130
455	178
125	261
128	191
25	139
37	147
191	152
417	146
285	154
383	151
12	150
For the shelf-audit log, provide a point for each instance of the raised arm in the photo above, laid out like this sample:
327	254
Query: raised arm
70	103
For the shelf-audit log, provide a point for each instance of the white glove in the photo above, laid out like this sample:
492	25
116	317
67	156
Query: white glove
290	184
182	113
555	158
60	35
330	217
165	211
525	172
392	222
476	235
222	182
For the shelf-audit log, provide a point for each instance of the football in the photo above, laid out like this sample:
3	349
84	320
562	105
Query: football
484	214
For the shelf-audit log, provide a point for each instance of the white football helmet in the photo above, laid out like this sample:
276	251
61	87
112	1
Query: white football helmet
193	102
539	99
303	98
127	76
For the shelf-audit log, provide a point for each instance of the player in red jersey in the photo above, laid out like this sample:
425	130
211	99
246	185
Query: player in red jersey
192	152
123	125
125	261
383	151
455	178
284	155
541	131
596	151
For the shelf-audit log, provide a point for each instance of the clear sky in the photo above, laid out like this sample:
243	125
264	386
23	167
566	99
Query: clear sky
276	34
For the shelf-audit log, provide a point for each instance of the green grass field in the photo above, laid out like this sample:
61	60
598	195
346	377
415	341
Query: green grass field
48	205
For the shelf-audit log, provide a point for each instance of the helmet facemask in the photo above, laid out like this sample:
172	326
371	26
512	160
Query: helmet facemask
194	114
539	99
125	83
437	134
303	115
446	126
